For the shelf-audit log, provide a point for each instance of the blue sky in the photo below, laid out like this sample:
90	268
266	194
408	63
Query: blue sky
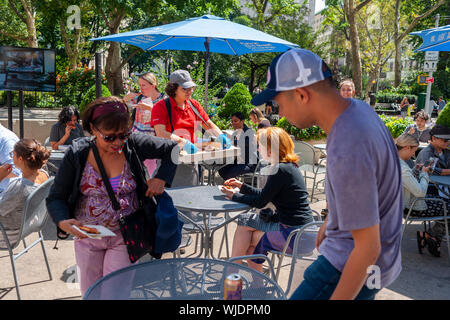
320	4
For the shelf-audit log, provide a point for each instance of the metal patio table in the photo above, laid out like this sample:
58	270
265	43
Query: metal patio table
208	201
182	279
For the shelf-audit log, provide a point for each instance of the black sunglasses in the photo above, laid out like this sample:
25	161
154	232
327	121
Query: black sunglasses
113	137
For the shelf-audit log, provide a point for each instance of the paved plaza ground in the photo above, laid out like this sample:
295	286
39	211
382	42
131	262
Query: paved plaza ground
423	277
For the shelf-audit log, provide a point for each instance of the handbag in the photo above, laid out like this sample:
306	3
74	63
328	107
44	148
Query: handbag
138	228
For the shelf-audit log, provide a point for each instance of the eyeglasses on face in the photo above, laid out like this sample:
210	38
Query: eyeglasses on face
188	89
112	137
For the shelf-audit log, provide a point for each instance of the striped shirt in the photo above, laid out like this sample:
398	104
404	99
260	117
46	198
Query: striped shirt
115	183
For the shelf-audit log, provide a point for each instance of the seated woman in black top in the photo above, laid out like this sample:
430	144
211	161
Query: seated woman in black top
285	189
67	128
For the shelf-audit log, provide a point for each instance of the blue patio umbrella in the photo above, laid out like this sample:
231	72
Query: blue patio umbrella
436	39
207	33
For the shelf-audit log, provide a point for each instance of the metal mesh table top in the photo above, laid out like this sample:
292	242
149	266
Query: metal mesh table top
442	180
182	279
203	199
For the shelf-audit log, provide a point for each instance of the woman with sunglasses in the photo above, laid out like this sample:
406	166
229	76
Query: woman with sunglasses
79	197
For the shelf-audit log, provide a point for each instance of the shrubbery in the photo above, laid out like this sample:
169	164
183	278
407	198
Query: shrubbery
236	100
396	125
313	133
444	116
73	83
90	96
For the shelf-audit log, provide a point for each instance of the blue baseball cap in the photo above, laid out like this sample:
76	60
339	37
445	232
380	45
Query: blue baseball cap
295	68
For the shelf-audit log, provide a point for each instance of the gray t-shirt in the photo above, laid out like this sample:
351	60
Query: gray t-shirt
58	131
12	202
364	188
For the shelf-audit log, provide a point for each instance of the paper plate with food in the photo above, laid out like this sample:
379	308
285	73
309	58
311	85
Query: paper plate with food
95	231
228	188
209	146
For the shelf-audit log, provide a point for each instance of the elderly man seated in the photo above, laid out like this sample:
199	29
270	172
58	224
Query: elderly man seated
244	138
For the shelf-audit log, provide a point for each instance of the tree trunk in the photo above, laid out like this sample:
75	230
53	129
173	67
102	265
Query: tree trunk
354	41
397	57
113	68
72	50
29	18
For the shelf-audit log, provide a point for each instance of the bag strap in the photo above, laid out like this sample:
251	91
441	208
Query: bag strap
105	179
169	112
197	113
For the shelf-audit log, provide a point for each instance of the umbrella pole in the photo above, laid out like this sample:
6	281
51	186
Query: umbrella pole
205	106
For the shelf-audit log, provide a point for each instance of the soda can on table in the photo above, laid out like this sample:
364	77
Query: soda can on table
233	287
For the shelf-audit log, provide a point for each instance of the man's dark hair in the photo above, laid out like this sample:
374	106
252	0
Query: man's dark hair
238	115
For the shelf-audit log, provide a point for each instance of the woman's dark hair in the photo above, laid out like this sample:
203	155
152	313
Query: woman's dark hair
66	114
34	154
112	121
170	89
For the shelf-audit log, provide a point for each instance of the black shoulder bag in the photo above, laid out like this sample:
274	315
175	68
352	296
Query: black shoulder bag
137	231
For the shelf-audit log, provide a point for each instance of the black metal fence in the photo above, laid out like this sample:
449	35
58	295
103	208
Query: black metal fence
35	99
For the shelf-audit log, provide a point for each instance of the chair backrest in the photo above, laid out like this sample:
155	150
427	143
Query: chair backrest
35	211
304	248
306	153
47	142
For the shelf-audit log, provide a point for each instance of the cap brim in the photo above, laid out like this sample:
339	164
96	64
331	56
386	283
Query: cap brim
442	136
264	96
188	84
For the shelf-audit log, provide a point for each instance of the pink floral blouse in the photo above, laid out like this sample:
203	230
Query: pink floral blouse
95	206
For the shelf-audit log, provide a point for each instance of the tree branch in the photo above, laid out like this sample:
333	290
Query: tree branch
13	36
416	20
14	8
361	5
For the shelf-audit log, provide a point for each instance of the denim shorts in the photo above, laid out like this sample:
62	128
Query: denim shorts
320	281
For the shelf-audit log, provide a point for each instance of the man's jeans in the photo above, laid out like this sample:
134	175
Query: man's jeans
320	281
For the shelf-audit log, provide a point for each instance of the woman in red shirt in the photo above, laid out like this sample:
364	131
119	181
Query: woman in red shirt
185	114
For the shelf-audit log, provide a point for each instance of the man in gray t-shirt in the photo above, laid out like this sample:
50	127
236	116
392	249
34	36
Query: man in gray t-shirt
360	240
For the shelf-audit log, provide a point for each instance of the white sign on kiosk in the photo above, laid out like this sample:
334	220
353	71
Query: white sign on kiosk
431	55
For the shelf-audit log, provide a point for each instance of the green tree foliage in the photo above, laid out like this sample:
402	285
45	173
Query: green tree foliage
90	96
236	100
444	116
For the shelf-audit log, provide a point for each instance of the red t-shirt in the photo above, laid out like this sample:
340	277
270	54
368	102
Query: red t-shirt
184	121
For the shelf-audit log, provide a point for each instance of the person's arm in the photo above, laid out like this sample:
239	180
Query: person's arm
213	129
259	198
55	142
61	190
417	189
150	147
367	248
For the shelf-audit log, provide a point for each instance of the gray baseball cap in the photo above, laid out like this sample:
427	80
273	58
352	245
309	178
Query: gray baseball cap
295	68
182	78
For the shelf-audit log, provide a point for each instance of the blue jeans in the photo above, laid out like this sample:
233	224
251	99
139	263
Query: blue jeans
320	281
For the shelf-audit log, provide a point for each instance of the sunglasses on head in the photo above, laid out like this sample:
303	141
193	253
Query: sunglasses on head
113	137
